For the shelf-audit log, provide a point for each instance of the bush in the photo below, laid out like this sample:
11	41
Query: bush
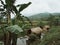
53	37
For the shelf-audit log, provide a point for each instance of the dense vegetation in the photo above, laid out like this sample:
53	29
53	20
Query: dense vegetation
14	24
52	38
53	19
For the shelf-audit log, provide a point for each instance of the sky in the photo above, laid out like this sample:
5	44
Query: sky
40	6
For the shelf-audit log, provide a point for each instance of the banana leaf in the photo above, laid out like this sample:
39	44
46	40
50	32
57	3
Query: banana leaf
14	29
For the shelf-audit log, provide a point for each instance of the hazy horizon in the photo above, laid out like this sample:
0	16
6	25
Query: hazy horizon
40	6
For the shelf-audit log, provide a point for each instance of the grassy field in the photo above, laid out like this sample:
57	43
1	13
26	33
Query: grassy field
53	37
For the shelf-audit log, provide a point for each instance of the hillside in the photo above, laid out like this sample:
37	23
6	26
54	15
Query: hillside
42	16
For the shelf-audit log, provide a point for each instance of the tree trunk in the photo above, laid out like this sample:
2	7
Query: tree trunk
14	39
9	39
4	38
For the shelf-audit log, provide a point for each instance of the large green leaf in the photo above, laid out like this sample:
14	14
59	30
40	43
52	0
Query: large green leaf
23	6
14	29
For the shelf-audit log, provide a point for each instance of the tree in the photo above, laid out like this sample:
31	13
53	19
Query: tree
9	8
56	21
51	19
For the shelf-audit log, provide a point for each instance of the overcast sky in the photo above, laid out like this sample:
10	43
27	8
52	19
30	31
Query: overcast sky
40	6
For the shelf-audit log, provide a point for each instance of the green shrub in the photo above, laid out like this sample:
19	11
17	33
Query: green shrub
53	37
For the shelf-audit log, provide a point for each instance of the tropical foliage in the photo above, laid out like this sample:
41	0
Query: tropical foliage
9	28
7	8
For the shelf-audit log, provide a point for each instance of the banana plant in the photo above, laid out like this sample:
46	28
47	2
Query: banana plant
9	8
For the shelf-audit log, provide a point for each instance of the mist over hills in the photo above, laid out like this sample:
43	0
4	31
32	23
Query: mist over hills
42	16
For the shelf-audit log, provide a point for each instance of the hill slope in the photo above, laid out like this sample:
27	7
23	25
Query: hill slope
42	15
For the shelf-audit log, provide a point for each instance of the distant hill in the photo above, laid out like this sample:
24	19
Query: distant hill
42	16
